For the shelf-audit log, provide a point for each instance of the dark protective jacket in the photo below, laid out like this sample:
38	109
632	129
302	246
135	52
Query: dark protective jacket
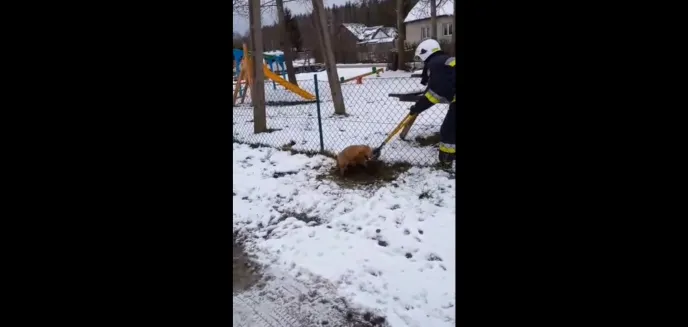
442	81
424	75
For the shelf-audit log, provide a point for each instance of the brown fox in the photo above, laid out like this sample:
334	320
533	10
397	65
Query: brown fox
352	156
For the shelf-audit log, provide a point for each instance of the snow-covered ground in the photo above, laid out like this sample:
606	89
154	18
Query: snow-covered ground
349	72
360	64
282	300
372	114
387	248
303	62
352	71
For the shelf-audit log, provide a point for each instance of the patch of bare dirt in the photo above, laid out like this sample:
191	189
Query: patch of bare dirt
245	273
428	140
356	318
375	173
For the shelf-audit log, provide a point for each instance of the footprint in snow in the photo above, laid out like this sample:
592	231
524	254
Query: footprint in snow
433	257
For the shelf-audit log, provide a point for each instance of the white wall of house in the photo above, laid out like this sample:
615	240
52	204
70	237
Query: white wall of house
416	31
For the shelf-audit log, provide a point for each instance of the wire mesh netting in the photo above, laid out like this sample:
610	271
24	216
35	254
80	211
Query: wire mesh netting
371	114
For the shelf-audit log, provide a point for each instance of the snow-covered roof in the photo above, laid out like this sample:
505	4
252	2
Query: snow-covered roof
356	29
380	40
374	34
369	32
422	10
390	31
273	53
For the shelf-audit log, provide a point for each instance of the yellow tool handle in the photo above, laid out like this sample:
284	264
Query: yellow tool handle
407	127
398	128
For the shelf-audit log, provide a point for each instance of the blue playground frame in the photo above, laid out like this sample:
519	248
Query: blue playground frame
272	61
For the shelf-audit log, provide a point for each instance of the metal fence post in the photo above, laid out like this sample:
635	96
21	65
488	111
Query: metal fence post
317	104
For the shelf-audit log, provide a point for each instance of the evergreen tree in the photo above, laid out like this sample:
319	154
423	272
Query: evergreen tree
293	28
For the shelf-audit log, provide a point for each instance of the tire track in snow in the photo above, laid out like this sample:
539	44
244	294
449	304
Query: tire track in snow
283	301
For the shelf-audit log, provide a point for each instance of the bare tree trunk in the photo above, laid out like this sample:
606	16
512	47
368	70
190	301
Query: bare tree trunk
320	43
251	40
286	43
330	24
258	87
330	64
453	41
401	35
433	19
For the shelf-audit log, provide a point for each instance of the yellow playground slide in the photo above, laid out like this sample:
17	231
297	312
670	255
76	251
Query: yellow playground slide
291	87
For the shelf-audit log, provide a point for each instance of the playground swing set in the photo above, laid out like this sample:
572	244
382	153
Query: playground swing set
245	79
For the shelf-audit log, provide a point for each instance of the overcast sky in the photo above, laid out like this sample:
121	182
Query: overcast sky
241	22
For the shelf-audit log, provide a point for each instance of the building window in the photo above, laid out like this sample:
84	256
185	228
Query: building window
424	32
448	29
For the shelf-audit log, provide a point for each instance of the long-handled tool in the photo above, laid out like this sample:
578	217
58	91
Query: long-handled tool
408	118
408	97
407	127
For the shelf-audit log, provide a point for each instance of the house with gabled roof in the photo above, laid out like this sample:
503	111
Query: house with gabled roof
359	43
417	22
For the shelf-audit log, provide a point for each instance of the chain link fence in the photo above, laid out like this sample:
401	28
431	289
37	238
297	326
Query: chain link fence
295	123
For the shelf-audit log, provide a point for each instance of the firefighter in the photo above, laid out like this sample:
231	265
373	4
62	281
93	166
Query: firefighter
440	75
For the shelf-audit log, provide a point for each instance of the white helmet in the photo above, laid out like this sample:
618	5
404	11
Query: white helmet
426	48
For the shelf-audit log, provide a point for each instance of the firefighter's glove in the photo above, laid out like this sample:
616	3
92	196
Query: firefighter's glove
413	111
